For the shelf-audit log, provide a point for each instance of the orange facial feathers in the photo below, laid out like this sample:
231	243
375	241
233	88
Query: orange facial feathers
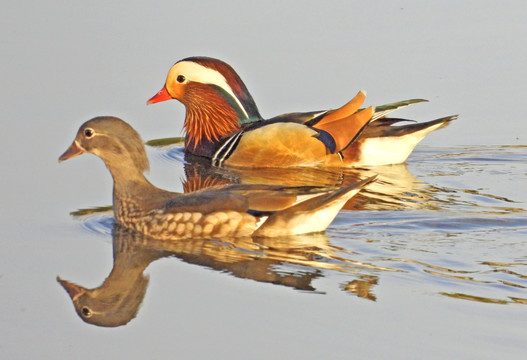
209	116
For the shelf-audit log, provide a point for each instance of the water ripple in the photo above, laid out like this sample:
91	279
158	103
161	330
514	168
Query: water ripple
450	225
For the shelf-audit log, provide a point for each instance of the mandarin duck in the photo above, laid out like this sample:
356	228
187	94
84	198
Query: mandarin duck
222	123
222	211
117	300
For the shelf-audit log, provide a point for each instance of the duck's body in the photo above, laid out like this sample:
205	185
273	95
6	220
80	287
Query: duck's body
223	124
224	211
279	144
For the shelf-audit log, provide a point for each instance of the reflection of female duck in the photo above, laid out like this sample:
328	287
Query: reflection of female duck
237	210
117	300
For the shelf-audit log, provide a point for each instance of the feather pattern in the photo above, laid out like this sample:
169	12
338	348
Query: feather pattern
219	106
209	116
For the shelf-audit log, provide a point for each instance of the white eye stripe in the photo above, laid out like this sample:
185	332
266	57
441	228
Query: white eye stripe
199	73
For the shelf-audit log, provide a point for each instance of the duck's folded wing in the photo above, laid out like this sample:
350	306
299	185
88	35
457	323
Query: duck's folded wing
244	198
205	202
312	215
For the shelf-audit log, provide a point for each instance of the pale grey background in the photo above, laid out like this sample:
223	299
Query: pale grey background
63	62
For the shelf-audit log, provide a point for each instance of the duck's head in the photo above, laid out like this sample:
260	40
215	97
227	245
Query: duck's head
212	92
105	306
192	79
113	140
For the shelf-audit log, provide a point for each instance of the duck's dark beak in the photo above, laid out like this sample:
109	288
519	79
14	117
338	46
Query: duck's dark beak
72	151
162	95
73	290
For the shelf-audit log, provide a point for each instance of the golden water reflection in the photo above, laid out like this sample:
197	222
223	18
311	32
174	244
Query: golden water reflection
395	187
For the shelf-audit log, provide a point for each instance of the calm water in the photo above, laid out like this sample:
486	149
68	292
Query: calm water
430	239
459	242
429	262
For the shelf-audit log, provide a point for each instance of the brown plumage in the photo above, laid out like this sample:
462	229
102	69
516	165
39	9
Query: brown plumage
234	210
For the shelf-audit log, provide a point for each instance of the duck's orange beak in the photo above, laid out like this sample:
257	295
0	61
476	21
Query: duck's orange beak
72	151
162	95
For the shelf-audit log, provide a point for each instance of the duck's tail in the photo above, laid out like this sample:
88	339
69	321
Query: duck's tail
382	143
384	127
312	215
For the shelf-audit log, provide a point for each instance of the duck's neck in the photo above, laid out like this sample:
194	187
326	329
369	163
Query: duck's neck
212	114
207	125
132	192
127	177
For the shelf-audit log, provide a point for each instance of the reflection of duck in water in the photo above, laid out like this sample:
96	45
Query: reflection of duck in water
394	188
223	124
117	300
233	211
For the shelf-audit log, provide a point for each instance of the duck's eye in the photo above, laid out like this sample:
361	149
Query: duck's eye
180	79
86	312
88	132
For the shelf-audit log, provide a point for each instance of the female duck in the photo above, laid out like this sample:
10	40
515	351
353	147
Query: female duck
225	211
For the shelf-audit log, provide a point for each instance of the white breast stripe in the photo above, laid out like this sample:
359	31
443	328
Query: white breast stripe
232	142
215	157
228	152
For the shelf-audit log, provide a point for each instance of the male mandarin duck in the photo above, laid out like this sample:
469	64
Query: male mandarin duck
223	124
220	211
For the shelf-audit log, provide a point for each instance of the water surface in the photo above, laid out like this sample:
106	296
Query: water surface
425	248
431	232
428	262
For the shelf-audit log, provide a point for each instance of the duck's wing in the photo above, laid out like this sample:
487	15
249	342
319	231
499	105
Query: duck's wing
312	215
